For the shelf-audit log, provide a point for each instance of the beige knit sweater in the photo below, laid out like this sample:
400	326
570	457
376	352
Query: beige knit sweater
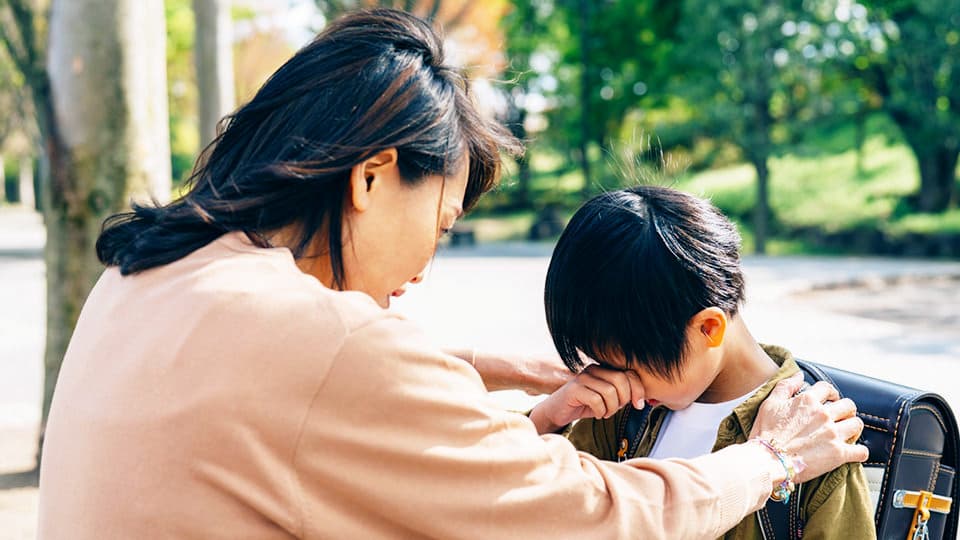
228	395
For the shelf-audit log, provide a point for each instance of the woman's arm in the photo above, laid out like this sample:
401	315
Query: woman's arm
400	434
534	374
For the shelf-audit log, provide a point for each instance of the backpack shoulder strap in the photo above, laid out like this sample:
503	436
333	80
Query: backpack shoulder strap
780	521
630	431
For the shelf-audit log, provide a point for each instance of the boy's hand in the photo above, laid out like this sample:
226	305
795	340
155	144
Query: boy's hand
595	392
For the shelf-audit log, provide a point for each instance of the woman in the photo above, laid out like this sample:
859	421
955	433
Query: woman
233	373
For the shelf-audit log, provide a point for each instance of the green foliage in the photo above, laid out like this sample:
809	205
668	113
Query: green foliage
915	65
182	87
851	105
827	191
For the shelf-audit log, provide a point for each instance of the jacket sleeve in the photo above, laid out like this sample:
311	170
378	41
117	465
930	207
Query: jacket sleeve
839	506
401	437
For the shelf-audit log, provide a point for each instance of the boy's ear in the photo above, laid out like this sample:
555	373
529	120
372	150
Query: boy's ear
368	176
712	323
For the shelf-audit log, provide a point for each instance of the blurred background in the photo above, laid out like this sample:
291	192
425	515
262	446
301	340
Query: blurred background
828	130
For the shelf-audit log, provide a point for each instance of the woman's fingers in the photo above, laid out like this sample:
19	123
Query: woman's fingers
820	393
786	388
849	429
814	425
841	409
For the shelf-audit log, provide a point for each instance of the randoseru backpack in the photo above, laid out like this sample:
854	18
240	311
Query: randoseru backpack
914	448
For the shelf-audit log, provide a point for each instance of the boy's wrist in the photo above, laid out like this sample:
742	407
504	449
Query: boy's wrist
538	415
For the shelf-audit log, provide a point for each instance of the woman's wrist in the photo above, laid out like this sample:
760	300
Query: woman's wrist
783	468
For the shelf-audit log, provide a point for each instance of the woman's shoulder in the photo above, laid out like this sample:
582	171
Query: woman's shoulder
246	288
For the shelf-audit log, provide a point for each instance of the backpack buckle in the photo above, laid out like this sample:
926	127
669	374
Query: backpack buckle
917	499
924	502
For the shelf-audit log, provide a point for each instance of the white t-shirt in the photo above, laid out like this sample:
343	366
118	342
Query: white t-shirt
692	432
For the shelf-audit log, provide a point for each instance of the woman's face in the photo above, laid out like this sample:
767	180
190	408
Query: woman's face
391	227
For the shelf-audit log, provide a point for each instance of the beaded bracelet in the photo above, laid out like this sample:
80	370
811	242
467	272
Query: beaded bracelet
786	487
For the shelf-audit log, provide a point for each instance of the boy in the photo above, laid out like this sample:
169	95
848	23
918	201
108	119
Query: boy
647	280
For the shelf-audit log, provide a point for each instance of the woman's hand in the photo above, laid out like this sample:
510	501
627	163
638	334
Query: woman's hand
596	392
534	374
814	425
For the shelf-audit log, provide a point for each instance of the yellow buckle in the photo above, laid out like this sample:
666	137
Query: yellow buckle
931	502
924	502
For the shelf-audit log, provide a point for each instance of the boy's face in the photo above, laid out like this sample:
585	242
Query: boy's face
697	373
694	379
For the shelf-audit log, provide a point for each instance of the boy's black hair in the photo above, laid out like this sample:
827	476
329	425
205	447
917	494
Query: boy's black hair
631	269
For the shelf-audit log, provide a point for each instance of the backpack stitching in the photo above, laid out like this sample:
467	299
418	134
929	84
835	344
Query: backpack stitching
934	412
886	475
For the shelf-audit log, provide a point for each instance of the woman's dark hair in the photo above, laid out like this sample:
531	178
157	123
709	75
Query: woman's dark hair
370	81
632	268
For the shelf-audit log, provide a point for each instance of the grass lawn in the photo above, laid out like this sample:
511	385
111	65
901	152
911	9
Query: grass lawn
820	184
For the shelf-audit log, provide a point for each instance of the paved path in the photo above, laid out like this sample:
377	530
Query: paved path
492	296
899	323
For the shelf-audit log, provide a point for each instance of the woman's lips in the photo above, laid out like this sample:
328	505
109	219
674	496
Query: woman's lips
399	292
652	402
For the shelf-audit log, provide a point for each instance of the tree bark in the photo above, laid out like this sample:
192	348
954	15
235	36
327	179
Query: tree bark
105	126
213	53
28	197
761	212
937	155
938	177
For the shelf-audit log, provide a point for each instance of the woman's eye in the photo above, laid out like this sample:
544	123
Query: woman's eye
444	232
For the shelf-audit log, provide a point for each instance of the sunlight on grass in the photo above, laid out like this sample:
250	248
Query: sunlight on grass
948	222
827	191
513	226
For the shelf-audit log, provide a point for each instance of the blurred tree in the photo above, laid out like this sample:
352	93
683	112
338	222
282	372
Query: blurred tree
99	95
910	53
17	130
523	26
181	87
744	70
608	58
449	13
213	58
471	30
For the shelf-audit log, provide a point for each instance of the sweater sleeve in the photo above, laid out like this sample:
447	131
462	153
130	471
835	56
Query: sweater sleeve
402	440
839	506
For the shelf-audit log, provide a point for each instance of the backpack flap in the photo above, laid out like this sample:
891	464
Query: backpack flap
924	459
913	441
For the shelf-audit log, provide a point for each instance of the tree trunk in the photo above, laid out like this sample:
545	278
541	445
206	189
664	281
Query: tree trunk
105	126
860	139
761	212
938	177
28	198
213	52
523	163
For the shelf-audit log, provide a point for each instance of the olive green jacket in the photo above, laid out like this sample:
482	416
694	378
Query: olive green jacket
835	505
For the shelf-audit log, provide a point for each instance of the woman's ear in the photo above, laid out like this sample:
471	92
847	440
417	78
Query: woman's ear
712	323
367	177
